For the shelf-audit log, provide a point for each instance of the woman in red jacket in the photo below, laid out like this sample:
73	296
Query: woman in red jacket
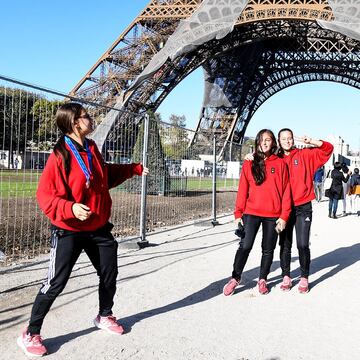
73	192
263	198
302	164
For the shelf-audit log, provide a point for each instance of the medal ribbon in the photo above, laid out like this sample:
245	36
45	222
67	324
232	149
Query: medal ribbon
85	170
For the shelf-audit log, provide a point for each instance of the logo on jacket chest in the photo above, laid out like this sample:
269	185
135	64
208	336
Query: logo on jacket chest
273	170
296	162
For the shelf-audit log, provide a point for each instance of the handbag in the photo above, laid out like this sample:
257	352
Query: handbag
327	193
357	190
327	183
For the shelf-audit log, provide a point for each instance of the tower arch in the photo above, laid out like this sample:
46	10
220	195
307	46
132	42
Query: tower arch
274	44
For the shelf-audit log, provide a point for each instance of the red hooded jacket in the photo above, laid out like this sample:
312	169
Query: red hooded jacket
303	164
58	191
270	199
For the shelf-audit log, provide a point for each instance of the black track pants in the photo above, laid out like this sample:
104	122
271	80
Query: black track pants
66	247
252	224
301	218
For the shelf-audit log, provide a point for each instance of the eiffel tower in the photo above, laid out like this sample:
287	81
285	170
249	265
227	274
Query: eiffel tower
273	45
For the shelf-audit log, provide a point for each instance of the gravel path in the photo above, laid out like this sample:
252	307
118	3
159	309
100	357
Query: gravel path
170	301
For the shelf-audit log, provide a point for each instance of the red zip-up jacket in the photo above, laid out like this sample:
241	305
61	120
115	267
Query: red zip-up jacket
57	191
303	164
270	199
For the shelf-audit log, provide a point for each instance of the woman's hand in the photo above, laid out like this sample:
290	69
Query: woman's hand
81	211
239	220
280	225
145	171
249	157
309	141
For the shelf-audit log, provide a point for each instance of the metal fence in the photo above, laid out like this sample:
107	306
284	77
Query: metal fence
182	185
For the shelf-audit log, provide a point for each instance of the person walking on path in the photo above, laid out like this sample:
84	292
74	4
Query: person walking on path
263	198
346	187
73	193
355	192
336	191
319	183
302	165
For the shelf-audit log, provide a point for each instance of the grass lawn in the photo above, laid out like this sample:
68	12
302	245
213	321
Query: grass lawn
24	183
203	184
18	183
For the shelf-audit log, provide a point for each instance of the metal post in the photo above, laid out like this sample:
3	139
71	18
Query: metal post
143	242
214	221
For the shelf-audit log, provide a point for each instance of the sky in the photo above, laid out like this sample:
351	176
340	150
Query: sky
54	43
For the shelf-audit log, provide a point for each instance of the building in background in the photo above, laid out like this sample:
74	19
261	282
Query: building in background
342	153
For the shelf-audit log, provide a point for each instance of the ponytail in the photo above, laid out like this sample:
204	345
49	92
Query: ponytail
60	150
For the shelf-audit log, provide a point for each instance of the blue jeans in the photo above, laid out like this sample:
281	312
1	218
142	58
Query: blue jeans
333	205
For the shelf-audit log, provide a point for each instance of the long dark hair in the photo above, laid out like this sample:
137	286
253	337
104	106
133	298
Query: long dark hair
258	164
280	151
65	119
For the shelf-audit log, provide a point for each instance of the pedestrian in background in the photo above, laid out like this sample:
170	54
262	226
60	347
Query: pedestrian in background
73	193
319	183
354	192
346	187
336	191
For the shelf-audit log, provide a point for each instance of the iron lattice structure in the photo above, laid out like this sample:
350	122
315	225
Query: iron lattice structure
275	44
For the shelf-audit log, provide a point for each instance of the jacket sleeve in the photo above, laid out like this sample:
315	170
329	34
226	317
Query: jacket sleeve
286	198
243	190
118	173
52	192
321	154
345	178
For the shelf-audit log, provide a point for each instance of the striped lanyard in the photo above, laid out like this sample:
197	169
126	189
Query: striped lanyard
85	170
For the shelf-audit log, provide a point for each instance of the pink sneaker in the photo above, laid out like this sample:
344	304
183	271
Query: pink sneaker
31	344
109	324
303	286
229	288
263	290
286	283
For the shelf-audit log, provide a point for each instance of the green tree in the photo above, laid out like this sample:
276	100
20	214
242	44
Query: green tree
174	138
27	121
43	115
15	119
159	179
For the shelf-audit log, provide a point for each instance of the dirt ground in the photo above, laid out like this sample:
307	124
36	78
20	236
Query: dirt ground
24	230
